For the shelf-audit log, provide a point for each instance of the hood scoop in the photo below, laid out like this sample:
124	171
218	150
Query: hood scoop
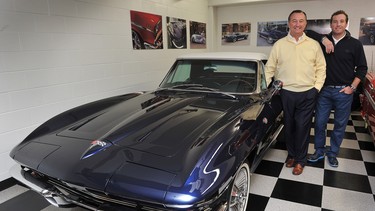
76	127
168	135
185	111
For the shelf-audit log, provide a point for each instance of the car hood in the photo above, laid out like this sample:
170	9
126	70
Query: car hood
148	141
161	125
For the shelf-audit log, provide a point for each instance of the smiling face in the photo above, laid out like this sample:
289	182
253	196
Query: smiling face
338	25
297	24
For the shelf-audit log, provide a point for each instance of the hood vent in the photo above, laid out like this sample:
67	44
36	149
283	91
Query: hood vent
76	127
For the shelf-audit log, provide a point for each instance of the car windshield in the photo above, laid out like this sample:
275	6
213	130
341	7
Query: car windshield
219	75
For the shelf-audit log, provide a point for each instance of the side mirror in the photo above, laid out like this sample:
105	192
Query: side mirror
277	84
267	94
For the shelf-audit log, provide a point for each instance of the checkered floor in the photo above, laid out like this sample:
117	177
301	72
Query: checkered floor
351	186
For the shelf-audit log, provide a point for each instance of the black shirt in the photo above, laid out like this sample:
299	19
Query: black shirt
347	61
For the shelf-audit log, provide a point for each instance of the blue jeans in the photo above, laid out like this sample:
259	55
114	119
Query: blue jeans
328	99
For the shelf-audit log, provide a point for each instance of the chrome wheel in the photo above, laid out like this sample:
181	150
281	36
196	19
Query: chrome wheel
177	43
137	41
240	189
372	39
269	40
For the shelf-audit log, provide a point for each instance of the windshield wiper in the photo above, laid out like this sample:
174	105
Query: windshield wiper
199	87
186	86
180	86
202	88
211	90
224	94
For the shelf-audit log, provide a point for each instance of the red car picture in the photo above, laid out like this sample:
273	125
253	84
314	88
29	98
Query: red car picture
368	103
146	30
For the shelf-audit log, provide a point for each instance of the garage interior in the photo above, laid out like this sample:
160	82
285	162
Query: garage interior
58	54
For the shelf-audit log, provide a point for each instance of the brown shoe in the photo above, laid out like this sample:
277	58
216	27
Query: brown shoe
289	163
298	169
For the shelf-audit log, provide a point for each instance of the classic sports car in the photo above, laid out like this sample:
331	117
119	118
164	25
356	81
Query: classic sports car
235	37
368	103
189	145
369	30
197	38
177	34
146	30
274	34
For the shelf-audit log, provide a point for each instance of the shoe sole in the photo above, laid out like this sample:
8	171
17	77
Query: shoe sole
333	165
316	160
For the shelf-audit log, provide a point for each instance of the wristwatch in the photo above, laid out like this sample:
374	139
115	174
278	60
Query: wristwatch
353	87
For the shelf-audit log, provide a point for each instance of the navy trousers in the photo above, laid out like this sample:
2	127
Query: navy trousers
298	112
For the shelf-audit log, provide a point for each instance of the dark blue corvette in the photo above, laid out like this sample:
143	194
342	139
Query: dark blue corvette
189	145
234	37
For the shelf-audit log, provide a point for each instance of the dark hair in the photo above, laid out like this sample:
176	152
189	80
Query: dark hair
296	11
339	12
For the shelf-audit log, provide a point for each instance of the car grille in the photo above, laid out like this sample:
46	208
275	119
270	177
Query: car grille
101	200
63	194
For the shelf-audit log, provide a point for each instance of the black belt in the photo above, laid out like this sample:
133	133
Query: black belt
337	87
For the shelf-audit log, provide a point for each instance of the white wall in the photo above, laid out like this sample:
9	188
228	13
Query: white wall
320	9
57	54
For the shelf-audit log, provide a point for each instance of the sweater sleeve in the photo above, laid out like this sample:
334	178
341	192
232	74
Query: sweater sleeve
314	35
320	73
360	62
271	65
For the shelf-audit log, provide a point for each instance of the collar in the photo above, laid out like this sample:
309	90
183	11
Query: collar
300	39
346	36
337	40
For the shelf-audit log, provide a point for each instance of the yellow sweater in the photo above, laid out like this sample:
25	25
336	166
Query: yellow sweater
300	66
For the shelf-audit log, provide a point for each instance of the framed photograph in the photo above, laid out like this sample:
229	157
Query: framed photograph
235	34
176	28
322	26
147	30
367	31
197	35
270	32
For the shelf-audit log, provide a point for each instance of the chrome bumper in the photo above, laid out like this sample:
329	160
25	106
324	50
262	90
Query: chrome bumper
57	198
48	191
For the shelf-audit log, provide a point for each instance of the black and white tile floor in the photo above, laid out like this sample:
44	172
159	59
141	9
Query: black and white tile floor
351	186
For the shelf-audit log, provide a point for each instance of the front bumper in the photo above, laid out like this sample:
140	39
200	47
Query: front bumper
63	196
48	191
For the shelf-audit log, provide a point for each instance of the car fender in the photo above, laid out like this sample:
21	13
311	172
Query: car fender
214	170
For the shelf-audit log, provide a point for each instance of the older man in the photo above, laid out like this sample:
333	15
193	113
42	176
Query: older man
298	61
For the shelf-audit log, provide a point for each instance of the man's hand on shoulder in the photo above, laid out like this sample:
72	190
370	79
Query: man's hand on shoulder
328	45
